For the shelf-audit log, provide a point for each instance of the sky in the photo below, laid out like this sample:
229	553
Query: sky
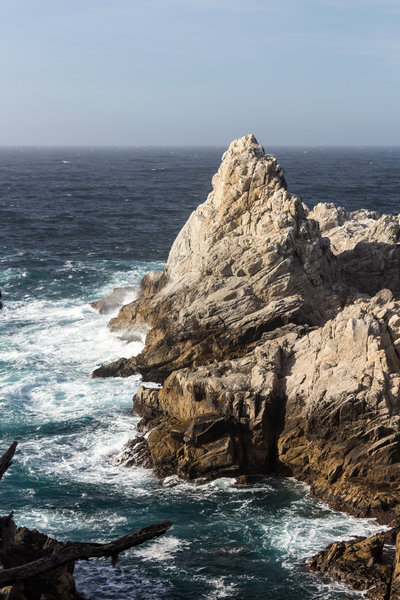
199	72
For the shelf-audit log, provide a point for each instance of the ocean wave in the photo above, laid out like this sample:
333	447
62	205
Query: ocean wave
224	539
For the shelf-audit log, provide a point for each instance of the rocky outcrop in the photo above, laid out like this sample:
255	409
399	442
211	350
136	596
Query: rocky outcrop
246	262
276	343
342	424
366	245
362	564
57	584
346	229
111	303
222	418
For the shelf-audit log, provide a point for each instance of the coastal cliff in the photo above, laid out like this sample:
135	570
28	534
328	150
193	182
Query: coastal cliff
275	332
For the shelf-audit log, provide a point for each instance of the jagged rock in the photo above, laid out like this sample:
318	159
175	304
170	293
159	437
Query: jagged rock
151	283
145	405
271	353
359	563
395	584
120	368
366	246
341	431
246	262
165	443
214	403
134	453
346	229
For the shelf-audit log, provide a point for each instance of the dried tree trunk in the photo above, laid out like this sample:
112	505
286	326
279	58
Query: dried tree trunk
7	525
81	551
6	459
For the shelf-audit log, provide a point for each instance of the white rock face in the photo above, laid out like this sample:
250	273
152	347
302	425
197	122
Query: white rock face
246	176
247	259
249	226
366	245
346	229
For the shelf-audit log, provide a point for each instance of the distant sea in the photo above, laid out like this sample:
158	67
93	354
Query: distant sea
75	223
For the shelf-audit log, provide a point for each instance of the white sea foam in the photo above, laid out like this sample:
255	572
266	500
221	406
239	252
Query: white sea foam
55	347
308	525
76	423
163	549
222	589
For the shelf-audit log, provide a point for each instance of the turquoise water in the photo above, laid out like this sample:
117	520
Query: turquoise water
57	256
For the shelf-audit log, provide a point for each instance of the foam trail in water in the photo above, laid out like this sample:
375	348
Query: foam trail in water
68	425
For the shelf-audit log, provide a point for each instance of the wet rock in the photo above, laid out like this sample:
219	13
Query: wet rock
134	453
248	480
359	563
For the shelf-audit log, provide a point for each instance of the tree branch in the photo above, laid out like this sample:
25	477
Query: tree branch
6	459
81	551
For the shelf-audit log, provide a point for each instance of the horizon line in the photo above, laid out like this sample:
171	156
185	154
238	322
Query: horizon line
216	146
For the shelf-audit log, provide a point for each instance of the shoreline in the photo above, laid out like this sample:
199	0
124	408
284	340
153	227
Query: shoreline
273	330
71	415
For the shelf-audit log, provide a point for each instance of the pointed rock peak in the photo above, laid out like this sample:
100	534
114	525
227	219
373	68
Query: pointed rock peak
245	144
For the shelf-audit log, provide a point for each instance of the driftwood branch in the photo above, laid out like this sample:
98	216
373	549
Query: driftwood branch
70	551
81	551
6	459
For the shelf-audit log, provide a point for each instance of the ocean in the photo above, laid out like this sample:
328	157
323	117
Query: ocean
75	223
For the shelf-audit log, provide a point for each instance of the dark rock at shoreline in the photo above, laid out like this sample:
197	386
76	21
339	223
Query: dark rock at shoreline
134	453
57	584
367	564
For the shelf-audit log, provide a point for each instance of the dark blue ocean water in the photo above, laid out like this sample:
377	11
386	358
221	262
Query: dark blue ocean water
76	222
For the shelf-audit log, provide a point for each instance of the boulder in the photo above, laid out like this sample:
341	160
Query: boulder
111	303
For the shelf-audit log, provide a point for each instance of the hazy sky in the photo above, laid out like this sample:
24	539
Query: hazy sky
133	72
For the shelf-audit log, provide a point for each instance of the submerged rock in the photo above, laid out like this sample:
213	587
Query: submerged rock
273	355
111	303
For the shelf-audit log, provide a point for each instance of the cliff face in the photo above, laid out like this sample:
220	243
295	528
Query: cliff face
272	354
